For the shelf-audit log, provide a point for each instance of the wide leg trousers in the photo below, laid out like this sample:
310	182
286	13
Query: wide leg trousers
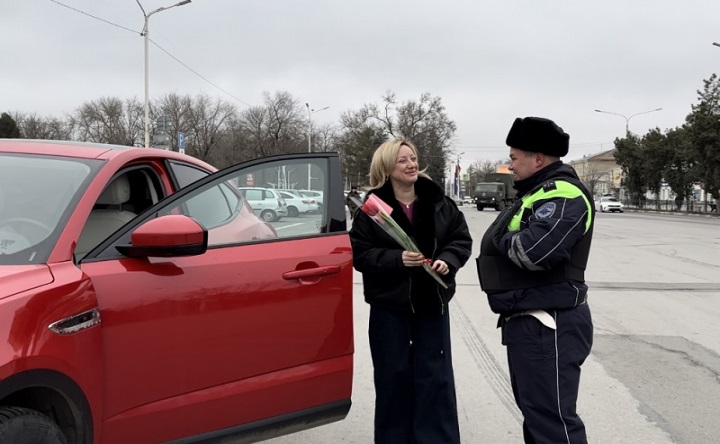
415	399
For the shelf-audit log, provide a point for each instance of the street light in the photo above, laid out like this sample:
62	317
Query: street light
144	33
627	119
310	113
716	44
457	174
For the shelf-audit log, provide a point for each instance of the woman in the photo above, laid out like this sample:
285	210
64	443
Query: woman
409	327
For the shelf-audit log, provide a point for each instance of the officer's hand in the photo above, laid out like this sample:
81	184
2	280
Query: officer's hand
411	259
440	267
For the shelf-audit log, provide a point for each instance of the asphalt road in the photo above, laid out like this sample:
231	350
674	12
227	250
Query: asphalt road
654	372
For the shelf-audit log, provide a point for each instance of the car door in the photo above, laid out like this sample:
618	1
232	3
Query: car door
258	326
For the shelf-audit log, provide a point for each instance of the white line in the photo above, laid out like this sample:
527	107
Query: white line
288	226
557	382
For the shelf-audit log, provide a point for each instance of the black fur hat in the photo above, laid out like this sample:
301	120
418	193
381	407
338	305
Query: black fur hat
538	135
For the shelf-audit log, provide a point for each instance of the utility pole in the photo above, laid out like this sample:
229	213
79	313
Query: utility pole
309	136
145	33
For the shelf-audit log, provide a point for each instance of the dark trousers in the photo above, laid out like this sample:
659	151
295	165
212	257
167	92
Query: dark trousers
414	384
544	369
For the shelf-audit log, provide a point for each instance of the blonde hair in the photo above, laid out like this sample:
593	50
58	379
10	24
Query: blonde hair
384	159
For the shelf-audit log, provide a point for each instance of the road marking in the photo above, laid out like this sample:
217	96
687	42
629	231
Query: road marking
288	226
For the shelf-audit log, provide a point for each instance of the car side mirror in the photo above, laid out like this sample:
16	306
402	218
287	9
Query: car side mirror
167	236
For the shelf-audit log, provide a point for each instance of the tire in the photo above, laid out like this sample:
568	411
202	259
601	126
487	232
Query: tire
25	426
293	212
268	216
480	207
501	206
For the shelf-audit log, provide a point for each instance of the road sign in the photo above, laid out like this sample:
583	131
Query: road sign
164	124
181	142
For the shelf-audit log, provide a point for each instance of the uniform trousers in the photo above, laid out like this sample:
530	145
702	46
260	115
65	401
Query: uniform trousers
544	369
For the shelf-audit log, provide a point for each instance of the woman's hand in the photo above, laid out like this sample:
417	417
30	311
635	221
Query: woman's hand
440	267
411	259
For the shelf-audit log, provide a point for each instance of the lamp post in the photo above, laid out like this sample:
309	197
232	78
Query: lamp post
716	44
145	33
310	113
456	179
627	119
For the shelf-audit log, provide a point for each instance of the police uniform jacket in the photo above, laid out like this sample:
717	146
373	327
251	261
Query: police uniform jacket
535	253
440	232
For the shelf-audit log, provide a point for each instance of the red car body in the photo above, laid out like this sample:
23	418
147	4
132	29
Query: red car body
172	328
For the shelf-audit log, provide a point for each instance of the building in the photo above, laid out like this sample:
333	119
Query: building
600	173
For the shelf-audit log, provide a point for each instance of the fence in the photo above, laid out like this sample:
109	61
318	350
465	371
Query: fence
684	206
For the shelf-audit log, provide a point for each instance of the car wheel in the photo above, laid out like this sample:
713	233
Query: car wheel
25	426
480	207
268	216
602	209
293	212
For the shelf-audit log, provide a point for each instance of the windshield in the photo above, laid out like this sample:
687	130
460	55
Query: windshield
609	199
487	188
37	195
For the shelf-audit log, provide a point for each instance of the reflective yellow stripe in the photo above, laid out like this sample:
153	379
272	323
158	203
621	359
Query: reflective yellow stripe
562	189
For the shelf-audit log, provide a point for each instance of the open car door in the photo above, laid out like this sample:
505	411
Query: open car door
218	323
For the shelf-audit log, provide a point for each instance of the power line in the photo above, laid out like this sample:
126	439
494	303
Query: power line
96	18
160	47
197	73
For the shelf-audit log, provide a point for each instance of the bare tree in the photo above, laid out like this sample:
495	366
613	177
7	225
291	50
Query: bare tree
109	120
325	139
208	123
424	122
33	126
178	109
592	175
276	127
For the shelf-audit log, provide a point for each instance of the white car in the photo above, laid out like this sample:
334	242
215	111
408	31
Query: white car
317	195
266	202
298	204
608	203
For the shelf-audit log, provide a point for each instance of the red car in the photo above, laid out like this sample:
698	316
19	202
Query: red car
142	300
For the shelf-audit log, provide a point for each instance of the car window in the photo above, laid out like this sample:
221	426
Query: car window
186	174
214	207
219	205
253	194
129	193
227	204
37	195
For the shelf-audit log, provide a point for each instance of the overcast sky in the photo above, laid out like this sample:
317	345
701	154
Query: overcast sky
489	61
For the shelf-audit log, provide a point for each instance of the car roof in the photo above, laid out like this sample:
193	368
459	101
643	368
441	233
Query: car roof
59	147
89	150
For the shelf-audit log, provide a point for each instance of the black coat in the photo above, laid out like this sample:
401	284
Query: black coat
440	232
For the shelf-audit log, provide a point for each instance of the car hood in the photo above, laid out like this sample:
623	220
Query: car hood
18	278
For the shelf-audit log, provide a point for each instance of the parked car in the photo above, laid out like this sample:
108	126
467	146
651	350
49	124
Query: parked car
608	203
297	203
315	194
143	301
266	202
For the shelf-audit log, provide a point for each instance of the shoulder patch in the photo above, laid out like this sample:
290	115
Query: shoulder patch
545	210
549	186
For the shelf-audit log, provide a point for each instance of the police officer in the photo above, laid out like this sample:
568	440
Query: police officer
532	268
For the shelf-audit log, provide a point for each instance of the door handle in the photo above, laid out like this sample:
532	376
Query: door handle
311	272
